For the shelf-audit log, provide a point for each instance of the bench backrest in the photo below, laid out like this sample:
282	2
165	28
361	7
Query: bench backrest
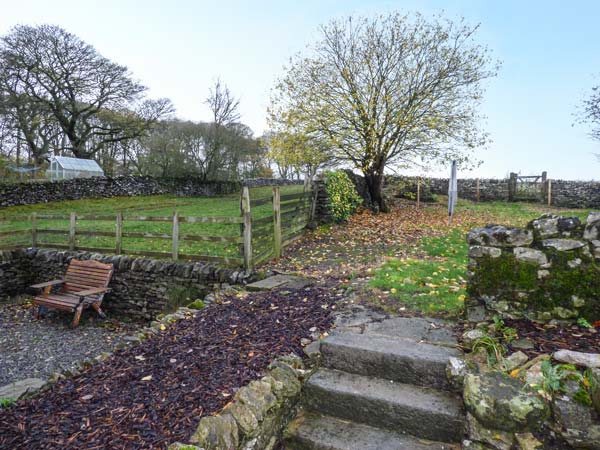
87	274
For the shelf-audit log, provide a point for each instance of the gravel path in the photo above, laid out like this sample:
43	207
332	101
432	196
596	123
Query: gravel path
32	348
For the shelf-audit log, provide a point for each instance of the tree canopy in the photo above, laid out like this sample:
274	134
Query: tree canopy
388	90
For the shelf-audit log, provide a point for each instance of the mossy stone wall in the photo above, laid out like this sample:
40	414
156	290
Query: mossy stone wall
548	270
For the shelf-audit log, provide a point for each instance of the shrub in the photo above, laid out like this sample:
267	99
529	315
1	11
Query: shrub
343	198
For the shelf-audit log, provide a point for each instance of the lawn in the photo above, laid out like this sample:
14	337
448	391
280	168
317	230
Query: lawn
150	206
431	278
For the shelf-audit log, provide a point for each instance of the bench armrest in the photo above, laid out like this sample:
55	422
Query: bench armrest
48	284
91	291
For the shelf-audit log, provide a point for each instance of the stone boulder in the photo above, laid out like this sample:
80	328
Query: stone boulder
563	245
578	424
592	227
217	433
500	236
546	226
503	403
591	360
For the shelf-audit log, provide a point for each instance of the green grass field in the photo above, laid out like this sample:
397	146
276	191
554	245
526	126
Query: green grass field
150	206
432	279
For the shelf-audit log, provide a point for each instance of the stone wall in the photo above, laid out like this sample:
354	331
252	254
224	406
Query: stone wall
140	288
129	186
258	414
15	273
548	270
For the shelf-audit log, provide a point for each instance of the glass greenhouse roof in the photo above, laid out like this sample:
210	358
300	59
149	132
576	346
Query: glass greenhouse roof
88	165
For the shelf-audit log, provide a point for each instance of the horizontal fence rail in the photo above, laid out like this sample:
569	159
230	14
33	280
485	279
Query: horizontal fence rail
258	239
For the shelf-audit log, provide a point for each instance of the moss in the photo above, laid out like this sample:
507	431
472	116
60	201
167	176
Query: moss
197	304
182	295
502	275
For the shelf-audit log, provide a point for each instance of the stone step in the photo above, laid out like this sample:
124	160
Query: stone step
416	410
315	432
390	358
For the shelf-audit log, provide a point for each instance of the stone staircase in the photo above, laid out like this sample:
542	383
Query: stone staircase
382	386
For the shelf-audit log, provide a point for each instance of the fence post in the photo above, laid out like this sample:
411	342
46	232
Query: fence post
175	253
477	191
549	181
247	230
512	186
418	192
34	230
72	223
277	221
119	234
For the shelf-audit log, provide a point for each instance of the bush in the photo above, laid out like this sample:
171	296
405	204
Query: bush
343	198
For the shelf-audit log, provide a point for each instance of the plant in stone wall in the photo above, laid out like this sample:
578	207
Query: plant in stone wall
343	198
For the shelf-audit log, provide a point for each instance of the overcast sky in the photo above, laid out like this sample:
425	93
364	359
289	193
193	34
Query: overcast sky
549	53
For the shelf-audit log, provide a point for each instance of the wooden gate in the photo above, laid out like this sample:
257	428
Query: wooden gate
527	188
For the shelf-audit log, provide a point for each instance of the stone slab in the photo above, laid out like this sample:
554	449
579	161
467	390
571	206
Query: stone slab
16	390
390	358
327	433
419	411
279	281
433	331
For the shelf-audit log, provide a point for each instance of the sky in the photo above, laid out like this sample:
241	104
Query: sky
179	48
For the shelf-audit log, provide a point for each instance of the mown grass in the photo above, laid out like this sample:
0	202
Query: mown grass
150	206
432	279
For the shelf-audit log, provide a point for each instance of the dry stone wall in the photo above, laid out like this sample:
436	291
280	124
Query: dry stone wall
140	288
128	186
548	270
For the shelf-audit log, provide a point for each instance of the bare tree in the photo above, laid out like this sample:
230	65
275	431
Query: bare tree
387	90
92	100
224	108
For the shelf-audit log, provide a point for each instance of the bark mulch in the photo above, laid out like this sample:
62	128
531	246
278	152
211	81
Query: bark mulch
150	395
548	338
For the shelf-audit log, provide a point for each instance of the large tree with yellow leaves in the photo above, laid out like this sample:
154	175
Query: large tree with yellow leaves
388	91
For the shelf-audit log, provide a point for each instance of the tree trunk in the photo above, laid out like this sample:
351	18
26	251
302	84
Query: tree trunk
374	182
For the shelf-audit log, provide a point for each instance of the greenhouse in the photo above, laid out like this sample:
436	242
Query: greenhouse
64	168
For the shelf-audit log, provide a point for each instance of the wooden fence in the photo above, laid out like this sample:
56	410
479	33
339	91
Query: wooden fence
259	240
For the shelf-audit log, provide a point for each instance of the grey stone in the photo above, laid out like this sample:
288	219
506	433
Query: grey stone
515	360
278	281
217	433
496	439
18	389
578	358
180	446
429	414
595	388
527	441
479	251
592	228
456	370
244	417
546	226
385	357
530	255
434	331
563	245
500	236
327	433
504	403
470	336
576	423
522	344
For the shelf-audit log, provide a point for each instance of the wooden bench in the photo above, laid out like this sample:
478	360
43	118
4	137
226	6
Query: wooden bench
83	286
